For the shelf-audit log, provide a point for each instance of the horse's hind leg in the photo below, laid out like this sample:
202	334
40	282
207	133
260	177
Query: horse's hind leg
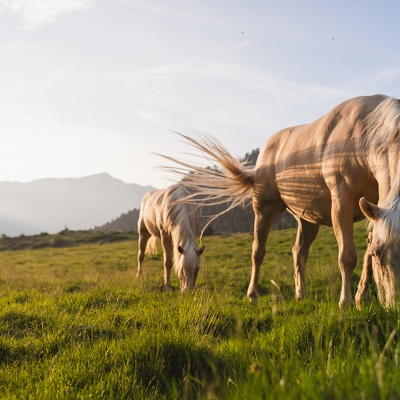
366	275
144	236
262	225
306	233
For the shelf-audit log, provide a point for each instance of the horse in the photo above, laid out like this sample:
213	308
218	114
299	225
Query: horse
163	216
337	170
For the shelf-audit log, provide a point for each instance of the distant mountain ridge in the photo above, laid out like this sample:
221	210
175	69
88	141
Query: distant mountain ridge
52	204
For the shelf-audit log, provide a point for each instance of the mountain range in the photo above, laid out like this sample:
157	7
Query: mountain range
51	205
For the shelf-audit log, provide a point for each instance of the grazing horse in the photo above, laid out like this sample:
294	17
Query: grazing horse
163	216
334	171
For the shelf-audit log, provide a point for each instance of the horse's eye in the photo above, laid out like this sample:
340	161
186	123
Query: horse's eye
377	253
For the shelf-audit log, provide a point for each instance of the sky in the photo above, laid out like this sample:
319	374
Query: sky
94	86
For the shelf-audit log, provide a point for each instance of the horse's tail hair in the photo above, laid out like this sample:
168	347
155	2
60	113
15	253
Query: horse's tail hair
151	247
229	182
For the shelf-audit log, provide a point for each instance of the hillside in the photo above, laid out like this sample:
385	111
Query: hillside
51	205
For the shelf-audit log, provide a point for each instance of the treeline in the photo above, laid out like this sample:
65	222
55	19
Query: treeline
125	222
234	221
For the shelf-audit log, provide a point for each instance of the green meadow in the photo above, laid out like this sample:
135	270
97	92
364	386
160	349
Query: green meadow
76	323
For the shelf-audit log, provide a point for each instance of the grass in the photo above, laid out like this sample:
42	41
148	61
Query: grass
75	323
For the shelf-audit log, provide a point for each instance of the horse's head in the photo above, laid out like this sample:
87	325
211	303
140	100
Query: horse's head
384	247
188	265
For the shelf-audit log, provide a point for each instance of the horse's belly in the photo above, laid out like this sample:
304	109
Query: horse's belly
312	205
315	216
316	210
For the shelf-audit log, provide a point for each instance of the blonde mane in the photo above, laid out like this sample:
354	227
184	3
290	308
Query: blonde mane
381	133
382	126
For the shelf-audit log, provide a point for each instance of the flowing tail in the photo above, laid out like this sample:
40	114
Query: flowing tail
151	247
230	181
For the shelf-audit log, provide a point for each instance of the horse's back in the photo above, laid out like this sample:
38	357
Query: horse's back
305	161
342	122
161	208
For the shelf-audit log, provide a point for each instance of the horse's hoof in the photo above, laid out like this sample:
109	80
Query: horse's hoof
346	303
253	297
359	301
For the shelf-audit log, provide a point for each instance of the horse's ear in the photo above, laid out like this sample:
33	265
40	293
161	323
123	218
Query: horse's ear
371	211
180	249
200	251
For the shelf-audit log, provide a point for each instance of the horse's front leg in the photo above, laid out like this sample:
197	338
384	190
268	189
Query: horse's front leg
262	226
342	222
166	243
306	234
144	236
366	275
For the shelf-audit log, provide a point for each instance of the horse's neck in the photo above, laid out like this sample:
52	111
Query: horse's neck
182	234
182	225
394	191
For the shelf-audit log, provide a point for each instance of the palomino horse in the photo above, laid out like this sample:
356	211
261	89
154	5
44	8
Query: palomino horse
163	216
323	173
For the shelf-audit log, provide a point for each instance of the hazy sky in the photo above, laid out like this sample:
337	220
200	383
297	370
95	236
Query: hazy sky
90	86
